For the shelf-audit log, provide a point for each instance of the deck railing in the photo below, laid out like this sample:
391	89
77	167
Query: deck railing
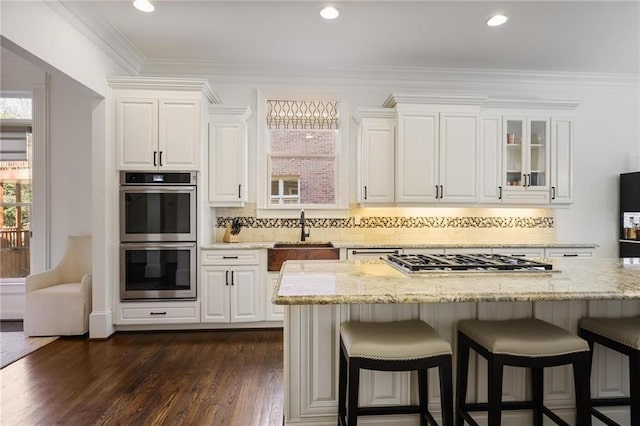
14	252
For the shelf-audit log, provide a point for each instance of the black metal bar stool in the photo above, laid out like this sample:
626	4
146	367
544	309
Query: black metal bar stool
621	335
530	343
393	346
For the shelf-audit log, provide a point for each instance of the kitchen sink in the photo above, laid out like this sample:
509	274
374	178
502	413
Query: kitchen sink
281	252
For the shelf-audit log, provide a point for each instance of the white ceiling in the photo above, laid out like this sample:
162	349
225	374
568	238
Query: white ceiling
547	36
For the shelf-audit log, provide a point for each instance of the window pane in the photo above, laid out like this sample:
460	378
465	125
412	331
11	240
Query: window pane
15	108
317	177
275	183
303	142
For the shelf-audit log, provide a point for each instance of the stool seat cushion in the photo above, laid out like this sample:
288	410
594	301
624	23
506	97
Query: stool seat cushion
621	330
527	337
398	340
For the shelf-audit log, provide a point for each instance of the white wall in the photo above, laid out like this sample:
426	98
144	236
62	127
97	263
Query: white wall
70	161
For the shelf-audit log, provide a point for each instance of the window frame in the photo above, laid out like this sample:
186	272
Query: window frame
263	164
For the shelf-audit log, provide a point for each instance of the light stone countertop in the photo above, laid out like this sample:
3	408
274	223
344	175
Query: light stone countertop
372	245
374	281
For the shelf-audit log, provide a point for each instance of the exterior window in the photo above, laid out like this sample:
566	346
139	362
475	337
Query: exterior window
15	186
303	140
285	190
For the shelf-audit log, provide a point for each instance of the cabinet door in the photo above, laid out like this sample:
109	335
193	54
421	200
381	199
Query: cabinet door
490	153
227	151
273	312
457	156
137	133
377	162
514	157
246	300
561	160
216	294
538	154
179	136
417	158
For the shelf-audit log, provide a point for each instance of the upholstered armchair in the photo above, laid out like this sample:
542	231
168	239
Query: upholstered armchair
58	302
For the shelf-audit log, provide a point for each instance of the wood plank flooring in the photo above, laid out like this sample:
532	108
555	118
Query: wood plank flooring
194	378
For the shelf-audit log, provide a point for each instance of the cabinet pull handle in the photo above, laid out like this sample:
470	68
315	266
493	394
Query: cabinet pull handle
500	189
570	255
229	257
155	158
158	313
356	252
231	277
553	192
239	190
441	192
436	192
365	192
519	255
160	159
529	179
226	277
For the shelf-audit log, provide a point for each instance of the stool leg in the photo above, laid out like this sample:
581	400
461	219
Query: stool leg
494	381
581	379
462	370
342	387
446	392
423	396
537	385
354	384
634	387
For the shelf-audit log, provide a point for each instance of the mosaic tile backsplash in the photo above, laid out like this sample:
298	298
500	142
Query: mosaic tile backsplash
395	222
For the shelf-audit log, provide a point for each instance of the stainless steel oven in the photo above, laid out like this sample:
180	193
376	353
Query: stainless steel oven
157	271
158	235
157	206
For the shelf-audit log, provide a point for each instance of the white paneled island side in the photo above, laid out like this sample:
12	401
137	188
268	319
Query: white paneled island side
319	295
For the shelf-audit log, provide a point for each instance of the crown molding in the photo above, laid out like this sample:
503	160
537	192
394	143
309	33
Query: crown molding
373	112
241	113
531	104
166	83
84	18
422	98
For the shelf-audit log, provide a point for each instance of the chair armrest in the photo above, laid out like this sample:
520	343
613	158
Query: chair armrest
85	283
42	280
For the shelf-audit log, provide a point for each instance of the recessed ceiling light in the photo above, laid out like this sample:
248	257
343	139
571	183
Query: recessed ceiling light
329	12
496	20
144	5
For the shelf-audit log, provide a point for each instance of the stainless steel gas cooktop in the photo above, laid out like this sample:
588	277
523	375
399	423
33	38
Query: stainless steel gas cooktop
416	263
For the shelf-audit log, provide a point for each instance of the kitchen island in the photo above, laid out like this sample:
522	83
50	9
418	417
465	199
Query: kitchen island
319	295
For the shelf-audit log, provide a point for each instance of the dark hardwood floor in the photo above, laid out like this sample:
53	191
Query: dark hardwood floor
193	378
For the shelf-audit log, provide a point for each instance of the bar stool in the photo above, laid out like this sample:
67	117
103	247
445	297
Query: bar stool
621	335
393	346
530	343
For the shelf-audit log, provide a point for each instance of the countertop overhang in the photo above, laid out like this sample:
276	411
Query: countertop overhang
374	281
373	245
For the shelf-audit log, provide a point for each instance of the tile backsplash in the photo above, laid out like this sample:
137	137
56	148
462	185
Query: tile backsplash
400	225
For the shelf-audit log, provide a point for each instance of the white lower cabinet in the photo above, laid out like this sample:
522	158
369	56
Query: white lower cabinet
148	313
569	252
231	294
533	252
311	359
272	312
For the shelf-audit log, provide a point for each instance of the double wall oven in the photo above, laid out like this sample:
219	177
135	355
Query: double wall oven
158	235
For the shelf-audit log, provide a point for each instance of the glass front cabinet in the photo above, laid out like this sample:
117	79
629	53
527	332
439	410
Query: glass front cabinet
526	160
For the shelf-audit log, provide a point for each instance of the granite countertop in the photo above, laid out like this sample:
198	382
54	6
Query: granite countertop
372	245
374	281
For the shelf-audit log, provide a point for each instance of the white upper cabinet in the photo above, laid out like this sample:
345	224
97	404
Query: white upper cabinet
159	123
376	156
562	130
436	153
228	155
490	154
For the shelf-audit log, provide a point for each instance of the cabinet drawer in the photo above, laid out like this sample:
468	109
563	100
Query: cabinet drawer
563	252
520	252
159	313
230	257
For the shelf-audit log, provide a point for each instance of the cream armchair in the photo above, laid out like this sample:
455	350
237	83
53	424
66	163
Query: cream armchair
58	302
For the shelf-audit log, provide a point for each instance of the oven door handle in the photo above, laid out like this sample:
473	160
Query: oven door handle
156	245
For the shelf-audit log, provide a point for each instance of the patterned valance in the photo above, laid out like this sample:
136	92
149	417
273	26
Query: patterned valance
302	115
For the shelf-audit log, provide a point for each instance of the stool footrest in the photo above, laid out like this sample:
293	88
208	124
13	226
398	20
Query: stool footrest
389	409
507	405
603	418
610	402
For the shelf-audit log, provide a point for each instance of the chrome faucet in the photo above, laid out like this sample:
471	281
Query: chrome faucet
303	234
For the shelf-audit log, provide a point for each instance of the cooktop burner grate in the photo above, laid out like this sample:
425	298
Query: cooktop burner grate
465	262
